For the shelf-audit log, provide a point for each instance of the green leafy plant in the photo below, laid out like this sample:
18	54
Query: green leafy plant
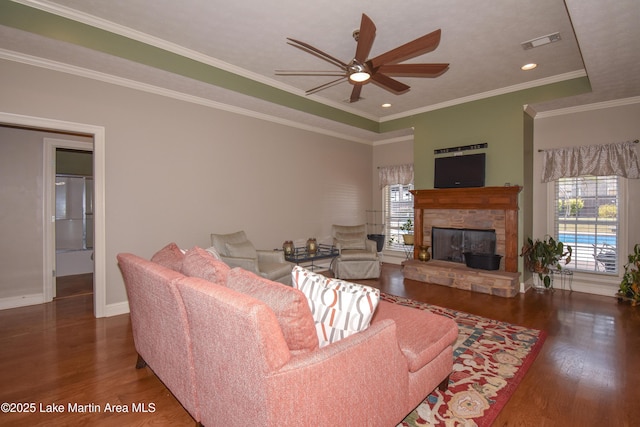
541	256
570	206
607	211
630	285
407	226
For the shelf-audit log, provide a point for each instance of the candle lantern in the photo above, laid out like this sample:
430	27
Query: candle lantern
312	246
288	248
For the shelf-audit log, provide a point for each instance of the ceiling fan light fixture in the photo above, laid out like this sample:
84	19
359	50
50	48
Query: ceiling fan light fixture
359	77
358	73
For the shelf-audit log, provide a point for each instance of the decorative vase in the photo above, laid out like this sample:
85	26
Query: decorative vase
312	246
288	248
423	254
538	282
408	239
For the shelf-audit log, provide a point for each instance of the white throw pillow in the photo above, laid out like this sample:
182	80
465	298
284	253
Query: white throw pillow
339	308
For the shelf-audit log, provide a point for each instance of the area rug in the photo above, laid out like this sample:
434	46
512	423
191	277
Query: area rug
490	360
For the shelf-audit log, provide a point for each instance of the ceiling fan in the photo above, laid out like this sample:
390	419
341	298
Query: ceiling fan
361	70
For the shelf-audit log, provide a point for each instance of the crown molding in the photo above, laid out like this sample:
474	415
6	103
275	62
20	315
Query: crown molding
132	84
588	107
159	43
483	95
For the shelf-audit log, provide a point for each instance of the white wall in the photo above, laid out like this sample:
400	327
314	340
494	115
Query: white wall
599	126
177	171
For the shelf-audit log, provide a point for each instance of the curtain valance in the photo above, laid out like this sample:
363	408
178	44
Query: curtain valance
394	175
598	160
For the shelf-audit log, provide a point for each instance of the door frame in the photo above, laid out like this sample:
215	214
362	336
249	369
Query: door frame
99	251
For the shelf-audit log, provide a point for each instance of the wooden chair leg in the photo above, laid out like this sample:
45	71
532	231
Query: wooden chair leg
444	385
140	363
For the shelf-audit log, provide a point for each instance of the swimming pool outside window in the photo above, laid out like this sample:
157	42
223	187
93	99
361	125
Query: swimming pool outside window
586	218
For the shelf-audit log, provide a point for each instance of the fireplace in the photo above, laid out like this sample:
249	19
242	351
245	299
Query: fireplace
450	244
483	208
469	209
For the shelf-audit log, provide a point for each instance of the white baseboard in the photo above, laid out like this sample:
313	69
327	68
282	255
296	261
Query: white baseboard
21	301
35	299
594	288
116	309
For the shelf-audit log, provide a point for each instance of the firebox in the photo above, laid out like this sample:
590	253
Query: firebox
450	244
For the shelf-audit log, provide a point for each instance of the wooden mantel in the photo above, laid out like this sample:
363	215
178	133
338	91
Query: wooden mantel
491	198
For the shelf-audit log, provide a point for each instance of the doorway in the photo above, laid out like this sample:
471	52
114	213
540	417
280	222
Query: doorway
72	186
47	248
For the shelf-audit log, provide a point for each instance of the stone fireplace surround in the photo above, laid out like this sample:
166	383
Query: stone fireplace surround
475	208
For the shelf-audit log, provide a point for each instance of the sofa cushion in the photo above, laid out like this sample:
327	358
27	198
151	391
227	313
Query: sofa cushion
351	240
200	263
242	250
171	256
339	308
422	335
289	305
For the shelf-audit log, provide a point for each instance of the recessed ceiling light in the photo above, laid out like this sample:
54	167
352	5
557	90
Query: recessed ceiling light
386	105
528	67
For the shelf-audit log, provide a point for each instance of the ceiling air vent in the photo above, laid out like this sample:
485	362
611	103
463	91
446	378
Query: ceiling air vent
540	41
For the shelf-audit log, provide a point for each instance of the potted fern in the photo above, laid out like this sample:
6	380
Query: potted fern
630	285
543	256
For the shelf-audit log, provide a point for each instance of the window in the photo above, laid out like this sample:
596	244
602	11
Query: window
586	218
398	208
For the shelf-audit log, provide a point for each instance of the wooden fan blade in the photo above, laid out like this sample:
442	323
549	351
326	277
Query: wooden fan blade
419	46
355	93
365	38
413	70
326	85
308	48
390	84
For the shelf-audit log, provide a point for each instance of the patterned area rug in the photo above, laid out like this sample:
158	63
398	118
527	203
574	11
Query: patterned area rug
490	360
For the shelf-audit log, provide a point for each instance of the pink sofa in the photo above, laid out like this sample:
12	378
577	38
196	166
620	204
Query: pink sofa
237	349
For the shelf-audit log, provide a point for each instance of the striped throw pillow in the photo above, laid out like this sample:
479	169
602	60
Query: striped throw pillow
339	308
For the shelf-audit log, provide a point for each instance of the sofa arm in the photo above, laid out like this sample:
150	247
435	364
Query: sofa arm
372	246
265	256
250	264
346	383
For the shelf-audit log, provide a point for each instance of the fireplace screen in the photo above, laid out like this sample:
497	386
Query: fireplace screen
449	244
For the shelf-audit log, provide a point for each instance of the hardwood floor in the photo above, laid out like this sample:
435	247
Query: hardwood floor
586	374
71	286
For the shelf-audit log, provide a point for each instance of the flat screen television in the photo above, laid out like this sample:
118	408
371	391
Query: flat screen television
460	171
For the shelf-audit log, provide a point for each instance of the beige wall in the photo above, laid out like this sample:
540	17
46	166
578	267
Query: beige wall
602	126
21	217
177	171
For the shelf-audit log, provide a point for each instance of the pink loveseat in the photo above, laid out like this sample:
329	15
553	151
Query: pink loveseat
237	349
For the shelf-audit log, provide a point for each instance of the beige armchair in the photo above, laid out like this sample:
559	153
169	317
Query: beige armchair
238	251
358	256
